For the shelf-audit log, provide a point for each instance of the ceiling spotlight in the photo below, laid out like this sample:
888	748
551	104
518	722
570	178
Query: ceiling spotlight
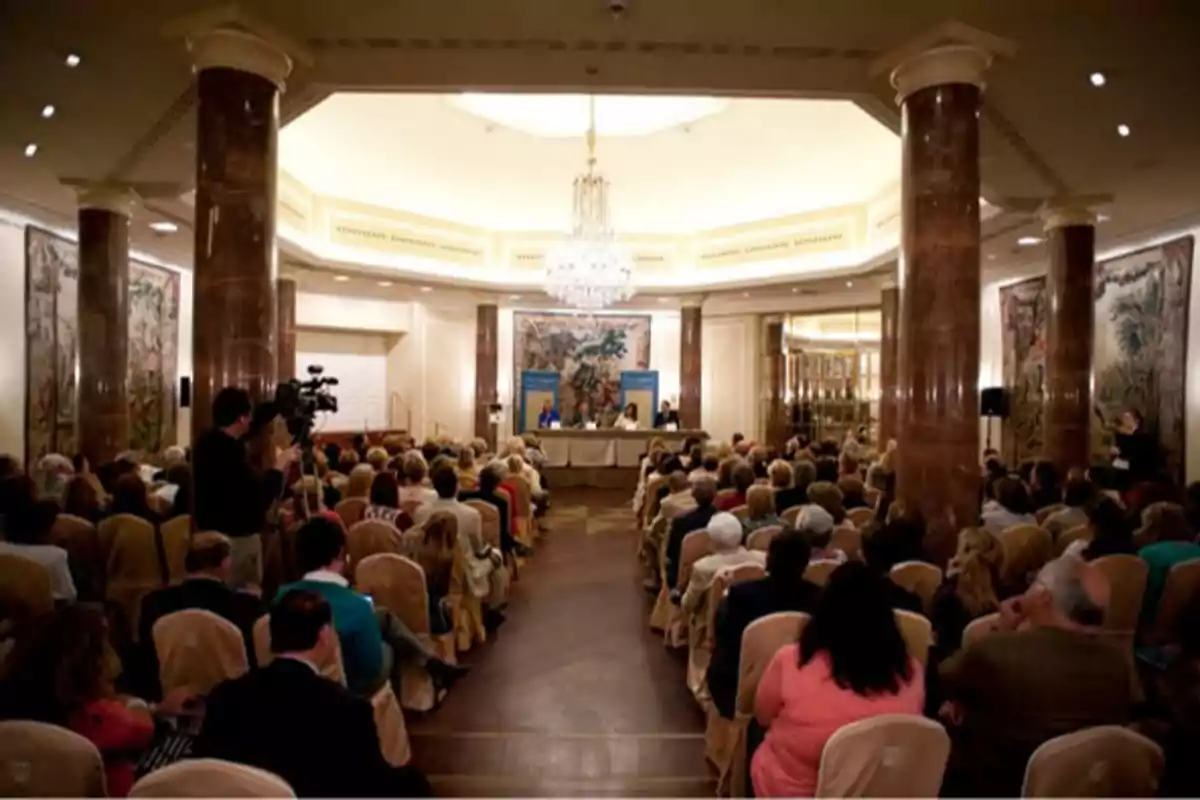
1029	241
1098	79
795	289
991	257
1123	130
849	284
514	297
745	294
385	284
1103	218
341	278
30	150
426	288
662	299
73	60
163	227
47	111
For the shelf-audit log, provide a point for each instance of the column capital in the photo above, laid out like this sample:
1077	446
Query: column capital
1062	212
691	301
119	198
238	49
950	52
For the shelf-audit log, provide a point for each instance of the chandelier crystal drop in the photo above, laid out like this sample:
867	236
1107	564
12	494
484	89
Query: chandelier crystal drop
590	269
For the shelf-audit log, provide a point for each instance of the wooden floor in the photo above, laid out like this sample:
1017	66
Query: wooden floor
575	696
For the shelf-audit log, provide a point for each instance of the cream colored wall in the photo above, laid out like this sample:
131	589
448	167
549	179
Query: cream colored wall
991	352
352	313
431	371
12	338
183	417
731	349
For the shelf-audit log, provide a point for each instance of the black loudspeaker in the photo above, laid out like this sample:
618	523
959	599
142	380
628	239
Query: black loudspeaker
993	402
185	392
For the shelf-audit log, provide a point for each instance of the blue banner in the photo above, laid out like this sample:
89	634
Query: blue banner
537	386
640	387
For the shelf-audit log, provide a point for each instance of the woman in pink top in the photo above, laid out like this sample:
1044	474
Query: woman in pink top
850	664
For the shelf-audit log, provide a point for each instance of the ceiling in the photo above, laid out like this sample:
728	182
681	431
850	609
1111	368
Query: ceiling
752	159
127	111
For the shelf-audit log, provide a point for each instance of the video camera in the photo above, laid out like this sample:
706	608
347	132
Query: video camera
299	402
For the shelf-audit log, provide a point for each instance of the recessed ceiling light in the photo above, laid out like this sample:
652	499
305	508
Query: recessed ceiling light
426	288
849	284
73	60
991	257
1123	130
341	278
47	111
164	226
662	299
30	150
795	289
514	297
1029	241
745	294
1098	79
385	284
1102	218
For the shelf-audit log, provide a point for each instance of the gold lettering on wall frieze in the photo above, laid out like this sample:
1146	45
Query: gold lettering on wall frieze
797	244
364	233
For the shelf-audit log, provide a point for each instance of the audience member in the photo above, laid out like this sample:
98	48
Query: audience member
1045	487
829	497
1011	507
490	478
27	534
725	536
230	495
760	502
347	460
62	673
970	589
435	553
678	500
53	473
377	457
1191	505
130	496
705	467
467	468
1163	522
783	589
742	478
1173	544
81	500
287	719
850	664
359	482
899	539
1077	496
209	563
10	467
413	489
816	523
705	493
852	490
182	498
781	478
1111	533
827	469
385	502
1045	674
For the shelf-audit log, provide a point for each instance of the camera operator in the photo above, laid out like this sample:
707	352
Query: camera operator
231	496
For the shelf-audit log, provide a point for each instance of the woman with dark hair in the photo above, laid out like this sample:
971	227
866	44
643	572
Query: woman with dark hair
385	501
850	664
1045	486
1112	533
63	672
179	476
1011	507
81	500
130	497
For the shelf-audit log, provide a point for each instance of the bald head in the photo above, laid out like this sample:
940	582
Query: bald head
1078	592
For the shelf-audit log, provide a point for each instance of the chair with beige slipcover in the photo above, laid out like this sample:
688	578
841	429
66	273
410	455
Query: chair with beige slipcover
1183	584
524	511
351	510
1127	576
860	517
1104	761
198	648
1027	548
1046	512
791	514
696	545
761	538
398	584
891	755
762	639
917	632
25	589
980	627
389	724
818	572
370	536
1065	539
80	539
211	777
134	569
847	539
741	512
42	760
489	517
918	577
703	620
177	535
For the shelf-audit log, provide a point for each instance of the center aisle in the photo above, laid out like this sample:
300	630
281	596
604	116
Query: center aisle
576	696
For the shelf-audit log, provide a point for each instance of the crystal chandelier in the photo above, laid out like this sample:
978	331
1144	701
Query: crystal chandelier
590	269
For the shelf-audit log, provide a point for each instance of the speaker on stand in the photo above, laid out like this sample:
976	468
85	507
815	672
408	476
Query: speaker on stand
993	404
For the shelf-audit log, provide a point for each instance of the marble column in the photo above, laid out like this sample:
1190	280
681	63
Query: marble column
888	366
775	385
938	321
239	78
487	324
103	322
285	327
1070	312
689	368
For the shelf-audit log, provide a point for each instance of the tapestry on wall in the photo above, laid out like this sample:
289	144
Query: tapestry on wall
52	306
1139	356
588	352
1023	326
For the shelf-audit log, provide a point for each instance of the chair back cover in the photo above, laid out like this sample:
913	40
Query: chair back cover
1046	512
177	536
761	641
370	536
211	777
351	510
1026	549
490	520
41	760
818	572
720	587
741	512
917	632
1104	761
860	516
199	649
134	569
891	755
389	723
790	515
1127	581
848	540
918	577
1065	539
980	627
696	545
1183	584
25	590
397	584
81	540
761	538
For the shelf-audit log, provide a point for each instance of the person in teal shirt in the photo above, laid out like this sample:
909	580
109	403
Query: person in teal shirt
1176	545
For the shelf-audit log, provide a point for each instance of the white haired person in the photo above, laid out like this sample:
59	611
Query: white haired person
725	534
54	472
817	524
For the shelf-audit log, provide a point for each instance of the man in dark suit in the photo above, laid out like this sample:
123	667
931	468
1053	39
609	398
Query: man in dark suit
1046	673
705	493
583	415
666	416
784	589
208	563
309	730
489	483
